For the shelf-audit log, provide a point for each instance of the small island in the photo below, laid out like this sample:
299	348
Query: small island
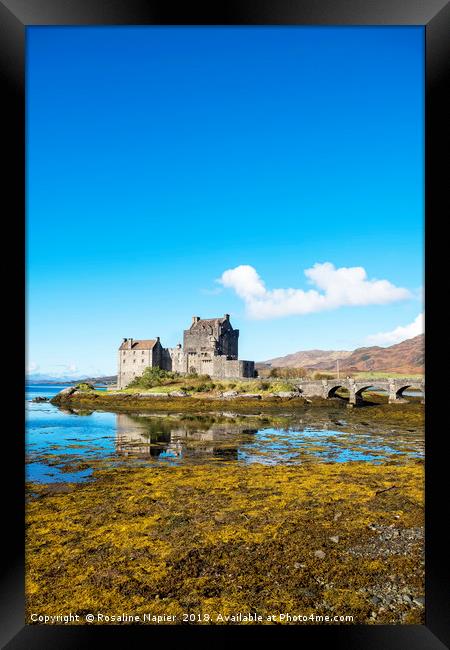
151	376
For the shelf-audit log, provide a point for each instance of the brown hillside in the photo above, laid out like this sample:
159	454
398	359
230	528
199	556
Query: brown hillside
308	358
404	357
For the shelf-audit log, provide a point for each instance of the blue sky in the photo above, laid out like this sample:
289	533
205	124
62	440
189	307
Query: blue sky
161	158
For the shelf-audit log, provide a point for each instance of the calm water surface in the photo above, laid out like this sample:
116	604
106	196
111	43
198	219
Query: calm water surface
61	444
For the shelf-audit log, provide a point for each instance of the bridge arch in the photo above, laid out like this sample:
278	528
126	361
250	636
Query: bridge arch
401	389
375	386
332	390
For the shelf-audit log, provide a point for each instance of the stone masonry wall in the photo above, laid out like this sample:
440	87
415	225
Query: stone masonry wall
210	348
224	368
131	364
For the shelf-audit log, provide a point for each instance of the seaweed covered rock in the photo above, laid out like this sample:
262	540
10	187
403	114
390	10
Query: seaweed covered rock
63	394
85	385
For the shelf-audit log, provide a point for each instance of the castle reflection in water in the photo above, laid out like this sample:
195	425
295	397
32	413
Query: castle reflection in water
152	436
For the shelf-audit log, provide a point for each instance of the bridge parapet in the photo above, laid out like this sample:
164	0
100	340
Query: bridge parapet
326	388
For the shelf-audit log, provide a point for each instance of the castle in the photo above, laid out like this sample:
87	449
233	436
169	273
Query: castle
210	347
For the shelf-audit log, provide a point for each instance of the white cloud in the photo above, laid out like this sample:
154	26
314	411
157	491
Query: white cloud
400	333
32	367
334	288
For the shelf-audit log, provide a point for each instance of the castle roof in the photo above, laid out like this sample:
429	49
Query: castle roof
209	321
139	344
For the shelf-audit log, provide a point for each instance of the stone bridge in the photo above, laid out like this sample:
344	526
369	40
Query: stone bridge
327	388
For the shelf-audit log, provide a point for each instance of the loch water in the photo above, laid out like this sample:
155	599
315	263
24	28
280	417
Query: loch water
62	445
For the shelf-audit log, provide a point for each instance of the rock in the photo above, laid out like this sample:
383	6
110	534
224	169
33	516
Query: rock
337	516
335	539
420	601
375	600
299	565
40	399
178	393
249	396
319	554
67	391
303	591
230	393
147	395
286	394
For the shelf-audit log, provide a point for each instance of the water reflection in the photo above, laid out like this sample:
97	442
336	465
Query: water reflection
144	435
67	444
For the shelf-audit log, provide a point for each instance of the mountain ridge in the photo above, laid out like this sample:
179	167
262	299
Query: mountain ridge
406	356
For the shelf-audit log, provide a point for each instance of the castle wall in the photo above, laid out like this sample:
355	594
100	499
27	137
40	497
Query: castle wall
213	337
199	340
131	364
174	359
224	368
215	366
210	348
228	343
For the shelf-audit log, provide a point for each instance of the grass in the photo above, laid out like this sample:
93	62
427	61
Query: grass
204	384
225	538
385	375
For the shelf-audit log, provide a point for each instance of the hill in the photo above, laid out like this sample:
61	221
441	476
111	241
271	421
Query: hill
405	357
308	358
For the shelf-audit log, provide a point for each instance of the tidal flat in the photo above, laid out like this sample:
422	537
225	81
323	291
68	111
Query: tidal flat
311	510
223	539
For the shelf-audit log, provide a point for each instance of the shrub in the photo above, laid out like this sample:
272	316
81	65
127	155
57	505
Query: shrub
283	387
153	377
288	373
323	375
84	386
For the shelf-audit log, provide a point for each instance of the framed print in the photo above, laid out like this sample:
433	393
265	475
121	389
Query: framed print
227	220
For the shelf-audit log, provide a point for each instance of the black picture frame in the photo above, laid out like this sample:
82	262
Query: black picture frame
15	17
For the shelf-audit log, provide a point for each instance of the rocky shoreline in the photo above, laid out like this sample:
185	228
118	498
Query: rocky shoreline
377	411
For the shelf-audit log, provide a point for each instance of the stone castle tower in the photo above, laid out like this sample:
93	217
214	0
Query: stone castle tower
210	347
